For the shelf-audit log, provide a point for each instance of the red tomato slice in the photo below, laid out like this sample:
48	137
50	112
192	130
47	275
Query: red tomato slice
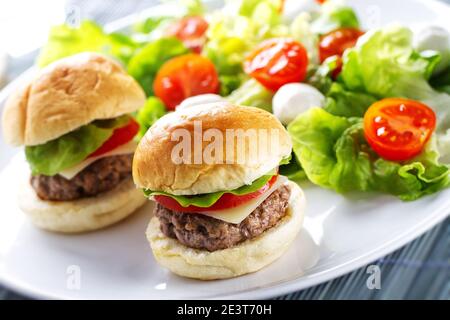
276	62
337	41
228	200
191	31
183	77
397	129
119	137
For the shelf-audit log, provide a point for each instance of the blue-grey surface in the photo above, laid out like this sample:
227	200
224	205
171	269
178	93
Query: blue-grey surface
420	270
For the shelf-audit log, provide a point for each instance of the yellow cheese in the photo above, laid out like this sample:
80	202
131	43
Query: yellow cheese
238	214
127	148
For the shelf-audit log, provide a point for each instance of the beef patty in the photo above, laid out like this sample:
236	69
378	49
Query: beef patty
100	176
203	232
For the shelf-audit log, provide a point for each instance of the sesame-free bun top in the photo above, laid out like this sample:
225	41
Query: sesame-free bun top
154	167
66	95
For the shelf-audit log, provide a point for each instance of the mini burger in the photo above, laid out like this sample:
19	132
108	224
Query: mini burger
74	120
222	210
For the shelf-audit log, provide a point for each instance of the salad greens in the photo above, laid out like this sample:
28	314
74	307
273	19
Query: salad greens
65	40
208	199
72	148
152	110
329	144
334	16
334	154
145	63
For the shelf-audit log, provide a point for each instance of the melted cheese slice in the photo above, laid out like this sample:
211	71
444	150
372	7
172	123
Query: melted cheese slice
238	214
127	148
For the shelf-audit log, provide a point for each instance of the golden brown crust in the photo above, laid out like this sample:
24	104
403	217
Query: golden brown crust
153	167
67	94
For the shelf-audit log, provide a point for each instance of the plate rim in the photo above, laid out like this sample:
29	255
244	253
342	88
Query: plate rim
273	290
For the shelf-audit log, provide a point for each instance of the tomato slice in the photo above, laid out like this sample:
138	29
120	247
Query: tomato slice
337	41
228	200
183	77
276	62
191	31
397	129
119	137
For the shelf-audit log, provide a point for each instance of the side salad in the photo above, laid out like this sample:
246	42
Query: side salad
367	110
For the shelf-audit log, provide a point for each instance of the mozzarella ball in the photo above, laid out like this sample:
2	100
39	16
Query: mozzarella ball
437	39
200	99
295	98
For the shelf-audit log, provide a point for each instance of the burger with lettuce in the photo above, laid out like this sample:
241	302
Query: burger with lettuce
224	216
74	119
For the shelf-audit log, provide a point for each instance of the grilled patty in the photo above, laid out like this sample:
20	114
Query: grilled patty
102	175
202	232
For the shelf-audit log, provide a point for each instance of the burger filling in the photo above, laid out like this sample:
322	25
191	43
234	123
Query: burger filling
221	220
199	231
101	176
83	163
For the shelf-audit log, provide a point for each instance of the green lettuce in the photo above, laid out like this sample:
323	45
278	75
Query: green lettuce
252	94
333	16
208	199
65	40
441	82
343	102
145	63
232	35
385	64
152	110
334	154
72	148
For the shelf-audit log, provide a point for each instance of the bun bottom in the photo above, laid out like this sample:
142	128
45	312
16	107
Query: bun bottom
250	256
81	215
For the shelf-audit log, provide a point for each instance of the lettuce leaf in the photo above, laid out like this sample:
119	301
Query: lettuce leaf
65	40
252	94
232	34
334	15
208	199
385	64
334	154
346	103
72	148
152	110
145	63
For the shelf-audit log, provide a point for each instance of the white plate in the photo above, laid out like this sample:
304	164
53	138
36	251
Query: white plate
340	234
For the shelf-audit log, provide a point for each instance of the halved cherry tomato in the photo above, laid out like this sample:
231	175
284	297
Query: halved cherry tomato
397	129
228	200
191	31
183	77
337	41
276	62
119	137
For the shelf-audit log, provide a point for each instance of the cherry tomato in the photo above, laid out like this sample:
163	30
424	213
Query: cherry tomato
119	137
321	1
183	77
397	129
337	41
191	31
276	62
228	200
